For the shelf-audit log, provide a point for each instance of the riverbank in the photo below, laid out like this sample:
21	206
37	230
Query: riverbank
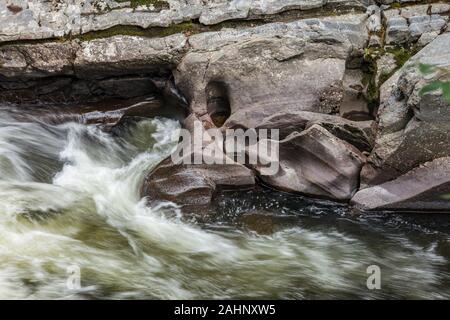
339	79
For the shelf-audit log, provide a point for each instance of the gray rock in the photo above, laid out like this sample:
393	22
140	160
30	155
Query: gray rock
128	54
110	56
374	20
36	19
397	30
407	24
413	11
422	24
316	163
427	37
422	189
277	67
440	8
386	64
412	129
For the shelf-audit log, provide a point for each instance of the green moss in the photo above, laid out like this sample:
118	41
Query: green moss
369	68
138	31
396	5
401	55
371	55
188	27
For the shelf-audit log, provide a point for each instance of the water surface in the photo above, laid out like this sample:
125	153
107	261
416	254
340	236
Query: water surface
69	198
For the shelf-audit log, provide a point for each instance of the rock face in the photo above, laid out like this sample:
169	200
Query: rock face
273	68
36	19
101	57
425	188
316	163
409	23
129	54
412	129
117	67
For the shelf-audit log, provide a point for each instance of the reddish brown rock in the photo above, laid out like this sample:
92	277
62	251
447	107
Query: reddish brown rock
424	189
316	163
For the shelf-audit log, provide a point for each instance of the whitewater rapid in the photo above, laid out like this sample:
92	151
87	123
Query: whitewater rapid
69	198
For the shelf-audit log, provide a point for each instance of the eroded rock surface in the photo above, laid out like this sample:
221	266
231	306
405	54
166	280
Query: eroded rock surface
412	129
358	133
36	19
316	163
425	188
273	68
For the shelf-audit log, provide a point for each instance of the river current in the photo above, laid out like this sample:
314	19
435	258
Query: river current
70	206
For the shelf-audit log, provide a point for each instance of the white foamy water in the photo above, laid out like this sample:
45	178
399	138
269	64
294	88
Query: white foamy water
69	198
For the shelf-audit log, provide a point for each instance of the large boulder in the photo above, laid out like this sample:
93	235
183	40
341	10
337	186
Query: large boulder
316	163
412	129
423	189
278	67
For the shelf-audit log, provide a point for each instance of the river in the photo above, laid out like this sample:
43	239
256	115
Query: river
69	200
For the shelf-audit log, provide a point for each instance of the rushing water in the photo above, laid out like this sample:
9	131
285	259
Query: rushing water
69	198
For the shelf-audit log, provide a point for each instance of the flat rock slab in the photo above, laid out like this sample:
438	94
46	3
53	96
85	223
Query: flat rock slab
36	19
426	188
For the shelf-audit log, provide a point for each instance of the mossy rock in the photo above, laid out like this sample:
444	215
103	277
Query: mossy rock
138	31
